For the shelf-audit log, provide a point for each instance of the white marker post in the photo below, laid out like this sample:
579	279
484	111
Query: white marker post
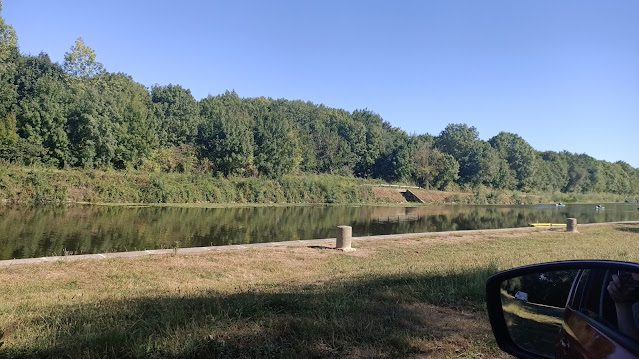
343	242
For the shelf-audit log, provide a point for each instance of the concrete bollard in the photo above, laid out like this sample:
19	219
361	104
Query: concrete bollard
343	242
571	225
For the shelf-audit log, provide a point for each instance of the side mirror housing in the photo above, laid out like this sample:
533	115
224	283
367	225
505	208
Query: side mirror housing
566	309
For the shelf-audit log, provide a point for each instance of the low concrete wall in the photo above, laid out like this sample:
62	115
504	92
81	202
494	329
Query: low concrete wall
327	242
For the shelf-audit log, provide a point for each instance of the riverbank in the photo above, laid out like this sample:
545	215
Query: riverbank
37	186
397	298
47	186
326	243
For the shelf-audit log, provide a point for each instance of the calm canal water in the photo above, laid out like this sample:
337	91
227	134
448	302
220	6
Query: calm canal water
38	232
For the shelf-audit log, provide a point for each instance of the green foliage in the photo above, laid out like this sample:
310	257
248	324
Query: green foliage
9	131
276	139
22	152
583	174
484	164
433	168
374	144
395	165
477	163
45	185
177	114
182	159
225	137
81	61
111	124
394	162
276	144
330	140
8	91
521	158
44	191
553	172
42	112
78	115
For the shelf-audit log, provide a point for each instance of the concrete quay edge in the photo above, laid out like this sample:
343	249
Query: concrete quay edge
326	242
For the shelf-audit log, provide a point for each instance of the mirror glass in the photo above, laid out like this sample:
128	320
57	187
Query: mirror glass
533	307
564	313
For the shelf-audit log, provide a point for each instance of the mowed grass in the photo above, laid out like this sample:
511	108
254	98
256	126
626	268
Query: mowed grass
397	298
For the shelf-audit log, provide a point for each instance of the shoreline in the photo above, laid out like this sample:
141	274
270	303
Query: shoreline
4	204
325	243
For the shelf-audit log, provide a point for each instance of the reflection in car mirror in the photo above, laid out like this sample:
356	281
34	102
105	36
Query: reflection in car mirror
566	309
533	307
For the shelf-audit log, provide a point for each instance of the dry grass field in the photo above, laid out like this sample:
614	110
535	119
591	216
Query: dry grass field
405	298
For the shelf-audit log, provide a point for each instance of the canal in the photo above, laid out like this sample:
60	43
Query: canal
48	231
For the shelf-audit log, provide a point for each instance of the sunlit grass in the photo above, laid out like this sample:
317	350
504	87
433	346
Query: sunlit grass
397	298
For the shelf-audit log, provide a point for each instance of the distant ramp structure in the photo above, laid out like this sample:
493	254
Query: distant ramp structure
410	196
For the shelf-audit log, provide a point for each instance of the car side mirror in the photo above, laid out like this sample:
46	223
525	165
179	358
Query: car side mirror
565	309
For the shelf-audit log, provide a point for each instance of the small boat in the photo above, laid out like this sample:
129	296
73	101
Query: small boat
547	224
560	204
599	207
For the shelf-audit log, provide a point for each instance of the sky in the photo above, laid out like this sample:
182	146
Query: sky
564	75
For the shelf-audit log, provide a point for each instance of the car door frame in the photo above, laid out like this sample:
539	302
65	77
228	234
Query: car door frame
590	334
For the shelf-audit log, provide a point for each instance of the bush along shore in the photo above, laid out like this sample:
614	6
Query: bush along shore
35	186
47	186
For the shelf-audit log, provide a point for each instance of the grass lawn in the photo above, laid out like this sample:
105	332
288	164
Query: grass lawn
397	298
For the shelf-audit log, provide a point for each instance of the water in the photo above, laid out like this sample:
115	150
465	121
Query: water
38	232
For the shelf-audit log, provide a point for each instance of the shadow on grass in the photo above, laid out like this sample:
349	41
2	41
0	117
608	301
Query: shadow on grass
321	247
395	316
632	228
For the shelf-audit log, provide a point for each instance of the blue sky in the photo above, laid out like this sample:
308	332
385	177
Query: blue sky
562	74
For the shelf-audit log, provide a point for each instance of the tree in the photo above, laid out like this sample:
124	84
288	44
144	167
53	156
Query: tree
276	145
504	177
80	60
395	165
552	174
486	164
617	180
110	123
521	158
337	140
80	115
42	110
225	136
395	162
433	168
375	142
177	113
583	173
8	138
446	170
478	161
8	64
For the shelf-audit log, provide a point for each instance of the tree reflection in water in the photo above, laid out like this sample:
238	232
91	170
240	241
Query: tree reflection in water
36	232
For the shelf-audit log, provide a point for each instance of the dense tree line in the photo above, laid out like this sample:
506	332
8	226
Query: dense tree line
77	114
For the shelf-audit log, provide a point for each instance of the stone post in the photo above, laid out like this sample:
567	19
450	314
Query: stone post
571	225
343	242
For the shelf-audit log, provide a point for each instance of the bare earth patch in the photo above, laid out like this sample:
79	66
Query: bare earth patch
388	195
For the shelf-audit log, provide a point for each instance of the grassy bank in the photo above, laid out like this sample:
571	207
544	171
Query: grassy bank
41	185
24	185
401	298
492	196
